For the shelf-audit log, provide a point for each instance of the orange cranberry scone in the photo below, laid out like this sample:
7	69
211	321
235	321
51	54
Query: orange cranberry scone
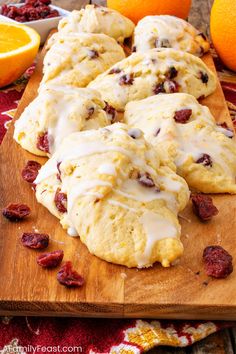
110	187
56	112
169	32
98	19
204	153
77	58
156	71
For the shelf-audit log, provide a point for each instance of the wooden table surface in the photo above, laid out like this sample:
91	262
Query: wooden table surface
223	342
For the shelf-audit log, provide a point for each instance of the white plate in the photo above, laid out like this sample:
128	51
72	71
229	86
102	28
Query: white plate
43	27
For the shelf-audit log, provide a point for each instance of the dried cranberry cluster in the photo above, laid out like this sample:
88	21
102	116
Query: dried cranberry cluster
31	10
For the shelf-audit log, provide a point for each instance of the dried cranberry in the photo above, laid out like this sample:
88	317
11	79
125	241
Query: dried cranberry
114	71
146	180
50	259
111	111
16	211
60	201
11	14
172	73
30	171
30	11
4	10
20	19
203	206
218	262
35	240
69	277
91	110
45	2
183	115
43	142
204	77
53	13
93	54
205	160
33	14
127	79
59	171
24	11
30	2
230	133
157	132
172	86
159	88
201	97
43	11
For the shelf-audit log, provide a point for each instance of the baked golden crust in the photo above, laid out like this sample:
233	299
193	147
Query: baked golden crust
203	152
169	32
156	71
98	19
76	59
121	199
59	111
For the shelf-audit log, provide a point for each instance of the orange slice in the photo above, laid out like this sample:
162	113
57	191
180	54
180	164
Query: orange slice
19	45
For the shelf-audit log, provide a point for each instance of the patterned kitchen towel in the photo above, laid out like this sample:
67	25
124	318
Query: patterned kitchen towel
98	336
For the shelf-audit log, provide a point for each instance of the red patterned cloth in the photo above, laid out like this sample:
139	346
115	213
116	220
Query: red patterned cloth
103	336
40	335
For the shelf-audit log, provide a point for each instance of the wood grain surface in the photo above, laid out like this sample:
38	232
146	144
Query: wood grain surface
110	290
223	342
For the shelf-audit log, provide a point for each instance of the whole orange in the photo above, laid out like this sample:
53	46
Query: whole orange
223	31
137	9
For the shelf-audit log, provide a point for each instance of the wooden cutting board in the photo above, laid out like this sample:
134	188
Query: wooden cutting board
183	291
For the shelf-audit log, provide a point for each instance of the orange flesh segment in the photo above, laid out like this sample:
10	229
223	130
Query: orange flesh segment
12	38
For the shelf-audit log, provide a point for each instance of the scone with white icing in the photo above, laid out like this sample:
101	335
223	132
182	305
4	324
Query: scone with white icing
110	186
156	71
204	152
98	19
169	32
56	112
78	58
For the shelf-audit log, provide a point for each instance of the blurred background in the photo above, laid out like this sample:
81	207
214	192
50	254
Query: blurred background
199	15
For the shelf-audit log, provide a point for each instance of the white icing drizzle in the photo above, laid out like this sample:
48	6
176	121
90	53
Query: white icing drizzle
88	149
124	206
178	32
156	228
133	190
200	135
94	194
49	169
83	188
135	133
227	132
107	169
198	144
171	184
71	231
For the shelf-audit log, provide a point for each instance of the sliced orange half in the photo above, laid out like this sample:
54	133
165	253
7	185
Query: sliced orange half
19	45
